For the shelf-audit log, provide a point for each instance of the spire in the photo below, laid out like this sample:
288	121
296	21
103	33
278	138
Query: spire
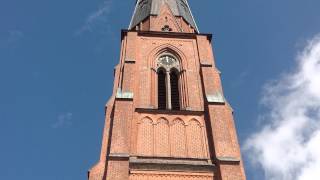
146	8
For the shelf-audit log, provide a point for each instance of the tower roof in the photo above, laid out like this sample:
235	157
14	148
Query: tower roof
145	8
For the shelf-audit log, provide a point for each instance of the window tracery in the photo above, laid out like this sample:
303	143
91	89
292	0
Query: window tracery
168	62
168	82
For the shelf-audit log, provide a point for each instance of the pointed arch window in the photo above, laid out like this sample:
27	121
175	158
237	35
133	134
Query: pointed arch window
168	82
175	97
162	93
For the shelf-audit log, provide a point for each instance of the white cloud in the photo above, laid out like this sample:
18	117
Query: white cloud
288	146
241	78
99	16
63	120
11	38
15	36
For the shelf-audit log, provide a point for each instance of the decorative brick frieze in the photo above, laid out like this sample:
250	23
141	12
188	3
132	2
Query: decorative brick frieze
170	135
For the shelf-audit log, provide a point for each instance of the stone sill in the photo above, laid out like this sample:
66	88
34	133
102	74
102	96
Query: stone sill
171	164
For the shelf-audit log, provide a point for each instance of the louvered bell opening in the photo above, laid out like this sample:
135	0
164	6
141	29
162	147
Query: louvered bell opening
162	95
175	100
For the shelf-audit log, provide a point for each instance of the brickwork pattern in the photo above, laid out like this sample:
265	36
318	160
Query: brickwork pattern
97	172
161	136
117	170
170	176
178	144
221	132
121	127
195	140
231	172
174	138
145	132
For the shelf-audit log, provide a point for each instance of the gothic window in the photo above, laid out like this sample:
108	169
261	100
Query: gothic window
174	80
162	93
168	83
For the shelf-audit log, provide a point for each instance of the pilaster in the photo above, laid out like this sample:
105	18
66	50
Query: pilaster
220	116
118	158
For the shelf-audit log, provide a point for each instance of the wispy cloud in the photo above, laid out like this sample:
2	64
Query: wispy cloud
11	38
63	120
14	36
241	78
100	16
288	146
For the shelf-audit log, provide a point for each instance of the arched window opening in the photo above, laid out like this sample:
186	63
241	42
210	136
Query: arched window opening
162	94
168	82
175	96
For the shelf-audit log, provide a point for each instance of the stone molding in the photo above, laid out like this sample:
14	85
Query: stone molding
216	98
124	95
228	159
171	164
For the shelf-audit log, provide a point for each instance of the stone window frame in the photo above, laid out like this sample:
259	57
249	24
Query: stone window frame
169	68
168	49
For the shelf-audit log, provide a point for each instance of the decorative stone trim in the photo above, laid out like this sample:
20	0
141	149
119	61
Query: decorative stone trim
228	159
216	98
171	164
119	156
124	95
146	107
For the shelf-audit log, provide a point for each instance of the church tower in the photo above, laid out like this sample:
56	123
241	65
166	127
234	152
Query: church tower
167	118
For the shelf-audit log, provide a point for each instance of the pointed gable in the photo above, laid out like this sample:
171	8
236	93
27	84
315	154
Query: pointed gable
166	21
146	8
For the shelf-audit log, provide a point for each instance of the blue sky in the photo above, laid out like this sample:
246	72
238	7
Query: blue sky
56	74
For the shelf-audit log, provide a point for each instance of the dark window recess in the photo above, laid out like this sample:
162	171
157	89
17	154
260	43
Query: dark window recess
174	80
166	28
162	95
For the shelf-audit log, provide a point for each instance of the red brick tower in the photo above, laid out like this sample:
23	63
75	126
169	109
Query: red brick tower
167	118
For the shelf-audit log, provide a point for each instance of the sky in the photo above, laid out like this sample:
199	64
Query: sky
56	74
